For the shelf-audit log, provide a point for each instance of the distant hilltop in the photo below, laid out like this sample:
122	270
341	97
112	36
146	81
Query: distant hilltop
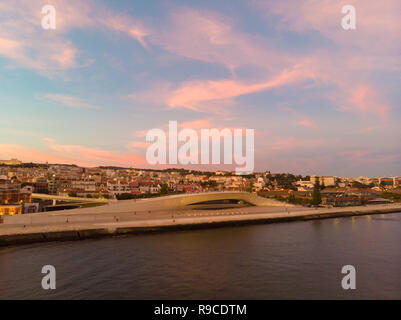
12	162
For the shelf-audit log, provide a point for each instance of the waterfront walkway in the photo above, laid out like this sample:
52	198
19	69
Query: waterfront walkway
70	225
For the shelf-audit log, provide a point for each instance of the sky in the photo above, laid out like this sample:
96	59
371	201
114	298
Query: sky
321	99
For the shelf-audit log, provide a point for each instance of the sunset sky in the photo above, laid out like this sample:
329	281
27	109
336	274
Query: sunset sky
322	100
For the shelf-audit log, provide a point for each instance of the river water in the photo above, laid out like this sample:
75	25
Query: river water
298	260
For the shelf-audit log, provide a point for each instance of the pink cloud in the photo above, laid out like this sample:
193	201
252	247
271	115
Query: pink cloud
140	133
207	36
67	100
93	156
197	124
350	91
8	46
302	119
364	100
127	25
364	156
156	94
210	37
370	129
65	58
308	123
138	145
28	154
70	154
195	95
353	56
291	143
27	45
374	20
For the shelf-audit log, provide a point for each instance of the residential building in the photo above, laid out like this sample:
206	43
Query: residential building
12	162
10	210
328	181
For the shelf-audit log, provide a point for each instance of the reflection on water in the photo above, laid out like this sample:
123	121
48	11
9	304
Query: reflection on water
289	260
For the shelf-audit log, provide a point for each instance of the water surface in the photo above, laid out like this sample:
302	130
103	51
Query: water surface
298	260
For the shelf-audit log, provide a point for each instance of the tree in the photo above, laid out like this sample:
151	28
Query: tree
250	188
357	184
125	196
164	189
316	196
210	183
337	182
292	199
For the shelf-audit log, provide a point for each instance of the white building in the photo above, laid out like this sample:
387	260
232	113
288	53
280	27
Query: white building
118	187
328	181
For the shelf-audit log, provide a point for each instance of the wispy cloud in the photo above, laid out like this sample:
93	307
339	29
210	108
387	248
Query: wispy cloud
27	45
375	20
211	37
197	94
308	123
67	100
364	100
53	152
208	65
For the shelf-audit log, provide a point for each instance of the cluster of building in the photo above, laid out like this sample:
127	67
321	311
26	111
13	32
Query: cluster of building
377	183
18	182
66	180
340	191
12	162
13	197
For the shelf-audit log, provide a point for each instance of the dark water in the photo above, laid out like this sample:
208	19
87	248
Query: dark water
289	260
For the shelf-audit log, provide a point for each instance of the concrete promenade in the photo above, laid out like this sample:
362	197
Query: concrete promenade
84	223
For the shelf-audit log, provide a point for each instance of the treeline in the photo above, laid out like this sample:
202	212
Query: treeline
36	165
131	196
392	196
286	180
90	196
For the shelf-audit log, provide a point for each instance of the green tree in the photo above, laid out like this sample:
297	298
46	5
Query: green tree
126	196
337	182
250	188
356	184
292	199
316	195
43	191
164	189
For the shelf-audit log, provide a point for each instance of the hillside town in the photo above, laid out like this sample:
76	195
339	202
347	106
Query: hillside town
20	182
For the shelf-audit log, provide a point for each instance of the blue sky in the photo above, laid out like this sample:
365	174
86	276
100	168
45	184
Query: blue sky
322	100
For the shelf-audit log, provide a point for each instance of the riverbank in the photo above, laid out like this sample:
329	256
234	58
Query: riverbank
66	230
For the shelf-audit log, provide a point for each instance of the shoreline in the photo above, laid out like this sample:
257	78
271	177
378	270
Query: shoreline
32	234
